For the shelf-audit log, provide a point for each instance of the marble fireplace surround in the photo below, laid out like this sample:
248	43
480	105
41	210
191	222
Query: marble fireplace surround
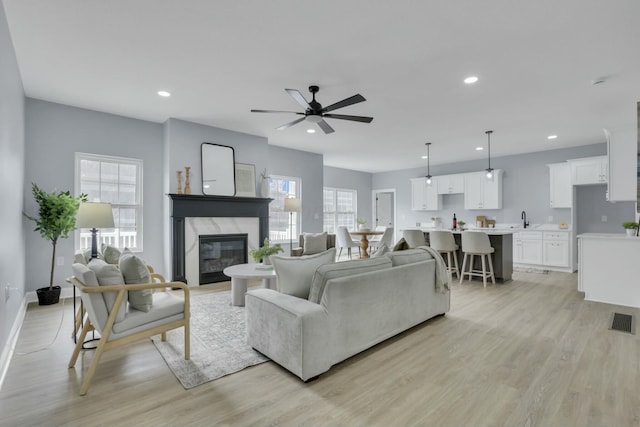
212	215
194	227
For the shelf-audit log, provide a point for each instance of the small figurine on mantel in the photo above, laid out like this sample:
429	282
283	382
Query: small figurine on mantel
179	176
187	187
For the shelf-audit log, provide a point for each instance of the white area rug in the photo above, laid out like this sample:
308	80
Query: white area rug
218	344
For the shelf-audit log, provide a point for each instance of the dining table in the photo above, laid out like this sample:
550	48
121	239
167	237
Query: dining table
364	241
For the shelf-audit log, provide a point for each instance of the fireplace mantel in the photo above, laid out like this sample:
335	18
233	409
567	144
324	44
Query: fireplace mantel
199	206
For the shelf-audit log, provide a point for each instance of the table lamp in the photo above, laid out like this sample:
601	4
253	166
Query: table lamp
94	216
291	205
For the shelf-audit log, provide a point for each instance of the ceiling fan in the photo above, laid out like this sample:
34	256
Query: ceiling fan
315	113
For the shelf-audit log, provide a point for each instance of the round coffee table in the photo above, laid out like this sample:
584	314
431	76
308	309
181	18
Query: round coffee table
240	273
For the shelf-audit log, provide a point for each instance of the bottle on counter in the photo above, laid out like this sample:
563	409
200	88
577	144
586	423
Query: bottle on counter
455	222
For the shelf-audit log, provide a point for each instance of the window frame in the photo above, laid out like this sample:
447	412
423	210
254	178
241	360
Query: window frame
138	198
296	216
335	213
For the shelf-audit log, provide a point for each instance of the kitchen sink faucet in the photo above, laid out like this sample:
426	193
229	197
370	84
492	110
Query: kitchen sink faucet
523	217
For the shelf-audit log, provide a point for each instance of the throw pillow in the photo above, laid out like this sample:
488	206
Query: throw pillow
314	243
409	256
111	254
135	270
383	249
294	274
402	245
326	272
108	274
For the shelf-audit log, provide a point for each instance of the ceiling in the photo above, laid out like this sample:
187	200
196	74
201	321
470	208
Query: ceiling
536	62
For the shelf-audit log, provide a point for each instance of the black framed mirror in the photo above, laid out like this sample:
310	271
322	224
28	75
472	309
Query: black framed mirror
218	170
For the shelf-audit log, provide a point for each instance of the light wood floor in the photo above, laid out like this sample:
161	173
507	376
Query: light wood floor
528	353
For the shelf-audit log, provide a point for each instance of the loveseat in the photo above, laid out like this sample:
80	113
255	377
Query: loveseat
351	306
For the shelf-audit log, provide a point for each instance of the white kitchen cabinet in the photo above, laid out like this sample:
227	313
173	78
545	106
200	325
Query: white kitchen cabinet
425	197
555	249
450	184
560	186
622	154
590	170
481	192
527	247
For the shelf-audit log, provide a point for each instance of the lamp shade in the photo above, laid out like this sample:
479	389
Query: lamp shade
292	205
95	215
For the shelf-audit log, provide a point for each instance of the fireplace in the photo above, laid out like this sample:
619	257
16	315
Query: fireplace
219	251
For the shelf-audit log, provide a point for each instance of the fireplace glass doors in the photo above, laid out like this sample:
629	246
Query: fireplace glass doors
219	251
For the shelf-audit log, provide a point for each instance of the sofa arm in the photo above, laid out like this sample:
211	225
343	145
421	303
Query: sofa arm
291	331
296	252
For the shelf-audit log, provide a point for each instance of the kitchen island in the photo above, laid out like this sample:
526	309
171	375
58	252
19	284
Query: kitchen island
607	270
501	240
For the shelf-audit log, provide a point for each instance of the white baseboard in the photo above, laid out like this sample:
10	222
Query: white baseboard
10	346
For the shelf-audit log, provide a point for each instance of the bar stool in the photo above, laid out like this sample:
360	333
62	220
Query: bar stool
443	242
477	243
414	238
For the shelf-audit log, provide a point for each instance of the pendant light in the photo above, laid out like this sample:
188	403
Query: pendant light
428	144
489	169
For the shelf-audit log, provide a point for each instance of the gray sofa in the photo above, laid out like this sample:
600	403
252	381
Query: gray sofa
359	304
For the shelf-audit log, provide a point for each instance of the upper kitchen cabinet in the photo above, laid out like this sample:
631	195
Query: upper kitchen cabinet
481	192
622	153
450	184
560	187
590	170
425	197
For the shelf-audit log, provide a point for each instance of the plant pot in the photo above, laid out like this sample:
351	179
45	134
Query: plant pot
48	296
266	260
631	232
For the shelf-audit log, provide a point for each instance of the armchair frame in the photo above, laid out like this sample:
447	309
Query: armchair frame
104	344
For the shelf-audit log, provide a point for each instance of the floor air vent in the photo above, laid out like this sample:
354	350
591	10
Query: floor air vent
623	323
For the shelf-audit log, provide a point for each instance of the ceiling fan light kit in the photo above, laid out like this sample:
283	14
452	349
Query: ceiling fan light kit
315	113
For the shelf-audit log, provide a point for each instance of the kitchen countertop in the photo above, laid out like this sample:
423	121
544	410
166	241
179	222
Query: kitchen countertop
608	236
489	231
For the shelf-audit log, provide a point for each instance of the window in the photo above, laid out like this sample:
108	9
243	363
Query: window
280	188
118	181
339	208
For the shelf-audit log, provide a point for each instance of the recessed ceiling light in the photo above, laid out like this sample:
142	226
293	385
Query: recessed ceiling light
311	131
164	93
552	136
424	157
471	79
479	148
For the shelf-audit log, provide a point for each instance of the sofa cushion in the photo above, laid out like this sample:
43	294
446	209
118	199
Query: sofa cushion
314	243
111	254
108	274
383	249
409	256
135	270
327	272
294	274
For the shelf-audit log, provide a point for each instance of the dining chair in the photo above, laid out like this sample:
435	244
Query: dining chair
344	240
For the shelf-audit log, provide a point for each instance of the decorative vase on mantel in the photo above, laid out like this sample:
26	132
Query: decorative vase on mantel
187	182
179	178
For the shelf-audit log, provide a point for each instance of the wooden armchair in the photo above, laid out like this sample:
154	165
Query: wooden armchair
119	325
299	251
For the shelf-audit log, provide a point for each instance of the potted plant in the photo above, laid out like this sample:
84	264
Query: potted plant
631	227
265	252
56	219
361	223
461	225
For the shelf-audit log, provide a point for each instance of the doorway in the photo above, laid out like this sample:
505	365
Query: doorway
384	208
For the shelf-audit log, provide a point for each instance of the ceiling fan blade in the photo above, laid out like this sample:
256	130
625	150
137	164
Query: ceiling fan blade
274	111
295	94
325	127
288	125
352	118
344	103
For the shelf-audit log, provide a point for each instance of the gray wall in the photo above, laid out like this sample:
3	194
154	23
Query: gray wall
591	206
12	142
353	180
54	132
525	187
